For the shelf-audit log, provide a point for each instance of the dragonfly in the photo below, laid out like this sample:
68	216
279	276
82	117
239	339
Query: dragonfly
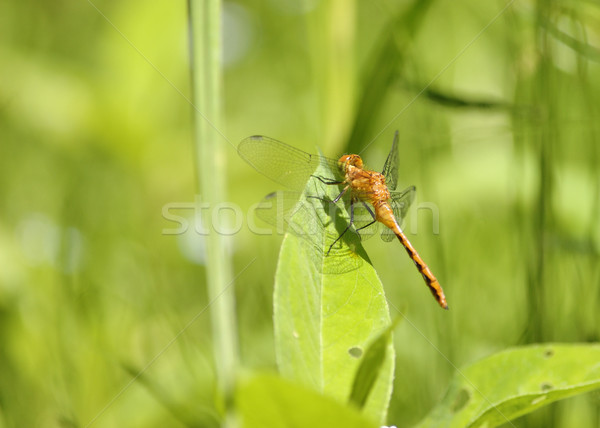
365	189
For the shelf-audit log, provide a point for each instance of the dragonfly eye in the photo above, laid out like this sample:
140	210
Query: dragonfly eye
353	160
343	161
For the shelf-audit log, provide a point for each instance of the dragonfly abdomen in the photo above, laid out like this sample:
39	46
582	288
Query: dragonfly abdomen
430	279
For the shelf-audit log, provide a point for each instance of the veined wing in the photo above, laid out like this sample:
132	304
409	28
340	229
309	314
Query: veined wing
390	169
283	163
291	212
400	202
278	208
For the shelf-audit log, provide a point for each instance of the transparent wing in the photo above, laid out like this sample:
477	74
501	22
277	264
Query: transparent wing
292	212
283	163
400	202
390	169
278	208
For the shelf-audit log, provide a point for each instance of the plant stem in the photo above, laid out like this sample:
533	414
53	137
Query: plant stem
206	48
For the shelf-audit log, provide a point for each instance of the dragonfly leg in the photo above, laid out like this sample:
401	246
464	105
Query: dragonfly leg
372	215
338	197
369	224
317	197
349	224
327	181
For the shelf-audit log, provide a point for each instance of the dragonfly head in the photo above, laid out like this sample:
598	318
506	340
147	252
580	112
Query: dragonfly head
347	160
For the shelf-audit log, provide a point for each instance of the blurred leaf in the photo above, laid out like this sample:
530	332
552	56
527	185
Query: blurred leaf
584	49
200	416
370	367
387	58
269	401
459	101
328	306
515	382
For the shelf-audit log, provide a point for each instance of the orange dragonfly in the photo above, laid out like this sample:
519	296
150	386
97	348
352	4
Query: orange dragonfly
292	168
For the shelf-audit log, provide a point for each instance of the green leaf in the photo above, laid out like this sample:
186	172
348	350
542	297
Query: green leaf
512	383
370	367
270	401
328	307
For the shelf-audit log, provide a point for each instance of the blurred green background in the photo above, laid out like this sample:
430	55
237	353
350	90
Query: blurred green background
498	112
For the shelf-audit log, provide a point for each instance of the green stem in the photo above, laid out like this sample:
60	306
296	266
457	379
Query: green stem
333	25
206	49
